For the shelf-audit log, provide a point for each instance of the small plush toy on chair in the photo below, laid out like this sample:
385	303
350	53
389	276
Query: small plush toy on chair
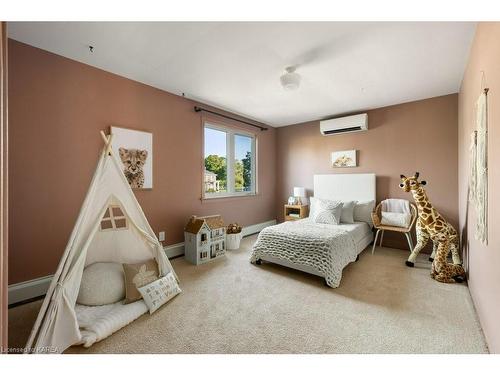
431	225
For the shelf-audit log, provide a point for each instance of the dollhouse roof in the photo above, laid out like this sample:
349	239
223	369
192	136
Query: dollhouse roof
195	223
214	222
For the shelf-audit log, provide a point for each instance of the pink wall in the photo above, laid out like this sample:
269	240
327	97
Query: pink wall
417	136
57	107
483	261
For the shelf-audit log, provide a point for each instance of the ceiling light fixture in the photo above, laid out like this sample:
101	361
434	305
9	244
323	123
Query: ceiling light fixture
290	80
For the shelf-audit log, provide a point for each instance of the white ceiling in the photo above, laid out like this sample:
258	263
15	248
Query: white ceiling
345	66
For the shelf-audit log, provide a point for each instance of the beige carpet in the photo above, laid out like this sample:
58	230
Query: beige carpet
232	306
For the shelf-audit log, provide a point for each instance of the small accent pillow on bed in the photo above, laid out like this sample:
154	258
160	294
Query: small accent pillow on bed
347	215
325	211
363	212
395	219
138	275
102	284
160	292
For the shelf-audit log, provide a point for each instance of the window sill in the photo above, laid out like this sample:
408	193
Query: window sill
228	197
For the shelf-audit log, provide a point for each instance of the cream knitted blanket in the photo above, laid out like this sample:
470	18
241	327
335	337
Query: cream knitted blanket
325	247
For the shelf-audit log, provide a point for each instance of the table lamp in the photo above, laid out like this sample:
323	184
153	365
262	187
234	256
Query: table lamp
299	192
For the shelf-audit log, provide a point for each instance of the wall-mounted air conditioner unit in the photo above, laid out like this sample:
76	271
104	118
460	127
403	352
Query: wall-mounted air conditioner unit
347	124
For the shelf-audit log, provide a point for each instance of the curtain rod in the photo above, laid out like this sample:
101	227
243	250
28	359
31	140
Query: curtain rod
199	109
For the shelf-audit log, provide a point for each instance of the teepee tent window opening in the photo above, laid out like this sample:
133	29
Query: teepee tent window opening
114	219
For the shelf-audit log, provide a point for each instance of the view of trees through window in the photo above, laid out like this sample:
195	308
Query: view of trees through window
242	163
219	144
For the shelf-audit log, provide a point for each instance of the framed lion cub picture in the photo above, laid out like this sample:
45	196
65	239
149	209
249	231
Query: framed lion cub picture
134	150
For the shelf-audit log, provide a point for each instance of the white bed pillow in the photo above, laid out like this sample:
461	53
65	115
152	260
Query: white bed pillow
347	215
396	219
102	284
160	291
325	211
363	212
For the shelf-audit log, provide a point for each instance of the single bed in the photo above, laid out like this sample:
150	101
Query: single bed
320	249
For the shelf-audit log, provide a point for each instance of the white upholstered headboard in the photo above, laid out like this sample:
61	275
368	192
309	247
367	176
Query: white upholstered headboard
345	187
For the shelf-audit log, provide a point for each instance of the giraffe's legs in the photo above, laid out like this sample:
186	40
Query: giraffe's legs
434	249
454	246
441	270
454	251
433	271
422	238
443	279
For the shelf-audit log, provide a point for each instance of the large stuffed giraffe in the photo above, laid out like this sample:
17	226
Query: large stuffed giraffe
431	225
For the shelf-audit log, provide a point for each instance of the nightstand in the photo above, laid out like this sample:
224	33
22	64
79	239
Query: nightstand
296	211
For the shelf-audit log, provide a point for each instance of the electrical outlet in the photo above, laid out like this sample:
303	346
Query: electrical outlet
161	236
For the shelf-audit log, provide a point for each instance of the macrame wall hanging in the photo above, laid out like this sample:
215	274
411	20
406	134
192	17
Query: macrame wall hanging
478	180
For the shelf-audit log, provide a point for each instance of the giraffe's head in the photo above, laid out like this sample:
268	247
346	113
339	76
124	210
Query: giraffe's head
411	183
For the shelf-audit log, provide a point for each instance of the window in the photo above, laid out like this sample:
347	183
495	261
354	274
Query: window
229	162
113	219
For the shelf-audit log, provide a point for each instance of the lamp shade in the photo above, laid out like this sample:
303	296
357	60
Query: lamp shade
299	192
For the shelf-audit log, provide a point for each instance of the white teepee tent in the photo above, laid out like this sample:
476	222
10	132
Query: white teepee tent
56	326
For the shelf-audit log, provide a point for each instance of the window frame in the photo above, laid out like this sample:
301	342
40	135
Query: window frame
112	219
231	132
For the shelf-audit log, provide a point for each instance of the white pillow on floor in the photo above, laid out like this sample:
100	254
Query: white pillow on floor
102	284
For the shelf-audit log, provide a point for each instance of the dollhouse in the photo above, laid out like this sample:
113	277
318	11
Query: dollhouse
204	239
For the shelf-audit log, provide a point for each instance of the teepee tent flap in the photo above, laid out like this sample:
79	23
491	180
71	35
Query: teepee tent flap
56	327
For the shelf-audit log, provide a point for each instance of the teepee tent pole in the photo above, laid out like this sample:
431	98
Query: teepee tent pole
107	142
62	264
64	260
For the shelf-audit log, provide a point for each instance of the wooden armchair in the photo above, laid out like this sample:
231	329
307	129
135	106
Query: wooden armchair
377	218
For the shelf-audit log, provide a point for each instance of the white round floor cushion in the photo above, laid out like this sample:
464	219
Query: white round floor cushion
102	284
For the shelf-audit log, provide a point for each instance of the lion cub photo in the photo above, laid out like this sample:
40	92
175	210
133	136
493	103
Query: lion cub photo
133	161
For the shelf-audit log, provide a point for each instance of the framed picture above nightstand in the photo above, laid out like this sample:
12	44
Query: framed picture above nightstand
296	211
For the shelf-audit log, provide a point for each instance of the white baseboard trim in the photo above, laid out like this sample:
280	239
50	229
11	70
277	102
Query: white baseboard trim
177	249
38	287
256	228
174	250
29	289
